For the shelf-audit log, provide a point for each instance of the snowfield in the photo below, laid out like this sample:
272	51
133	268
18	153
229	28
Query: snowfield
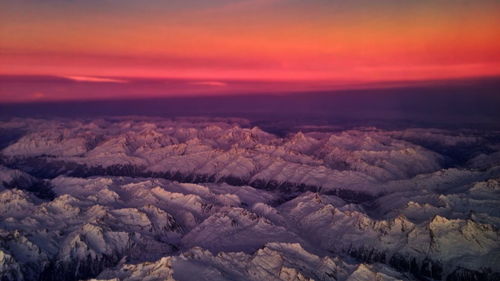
218	199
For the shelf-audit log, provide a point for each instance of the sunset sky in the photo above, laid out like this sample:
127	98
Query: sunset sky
213	41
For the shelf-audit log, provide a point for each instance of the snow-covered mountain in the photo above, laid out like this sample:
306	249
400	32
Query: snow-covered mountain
214	199
205	151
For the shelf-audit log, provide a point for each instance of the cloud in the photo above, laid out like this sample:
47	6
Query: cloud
210	83
95	79
38	95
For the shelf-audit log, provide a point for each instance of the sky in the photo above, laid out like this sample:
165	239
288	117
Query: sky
208	43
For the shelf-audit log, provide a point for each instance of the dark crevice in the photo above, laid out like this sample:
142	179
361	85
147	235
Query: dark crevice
41	167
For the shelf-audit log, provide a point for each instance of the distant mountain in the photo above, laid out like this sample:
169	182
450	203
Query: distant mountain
216	199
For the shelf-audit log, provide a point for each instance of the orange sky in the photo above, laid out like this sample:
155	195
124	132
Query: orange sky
323	40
